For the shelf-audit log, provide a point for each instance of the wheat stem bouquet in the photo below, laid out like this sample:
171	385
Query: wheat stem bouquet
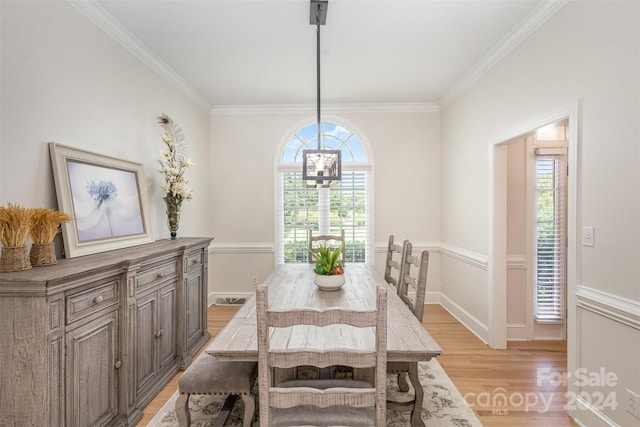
45	224
15	225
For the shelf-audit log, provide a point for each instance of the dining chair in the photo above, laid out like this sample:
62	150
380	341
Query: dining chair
393	262
412	290
321	402
313	240
413	284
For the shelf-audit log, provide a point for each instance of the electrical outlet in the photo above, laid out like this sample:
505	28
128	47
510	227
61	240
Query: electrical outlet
254	280
632	403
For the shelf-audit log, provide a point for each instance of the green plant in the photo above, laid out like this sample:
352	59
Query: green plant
328	260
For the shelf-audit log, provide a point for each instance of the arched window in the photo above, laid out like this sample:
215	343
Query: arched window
343	206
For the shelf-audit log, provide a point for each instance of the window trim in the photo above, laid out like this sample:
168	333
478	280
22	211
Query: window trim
557	150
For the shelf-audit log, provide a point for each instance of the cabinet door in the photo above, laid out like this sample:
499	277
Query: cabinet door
195	323
155	334
166	334
146	363
91	372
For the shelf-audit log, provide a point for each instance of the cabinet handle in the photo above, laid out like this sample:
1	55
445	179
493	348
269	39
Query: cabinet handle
98	299
160	333
160	275
118	364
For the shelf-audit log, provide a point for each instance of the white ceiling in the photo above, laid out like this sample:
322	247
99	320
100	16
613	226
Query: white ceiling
263	52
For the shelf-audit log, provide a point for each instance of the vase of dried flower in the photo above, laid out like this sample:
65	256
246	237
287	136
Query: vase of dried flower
14	258
173	214
42	254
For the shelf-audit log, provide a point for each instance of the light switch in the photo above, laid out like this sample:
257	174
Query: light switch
588	236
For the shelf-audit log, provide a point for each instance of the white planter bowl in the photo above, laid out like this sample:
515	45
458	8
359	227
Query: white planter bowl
329	283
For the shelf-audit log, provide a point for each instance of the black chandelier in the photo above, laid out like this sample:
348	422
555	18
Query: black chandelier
321	168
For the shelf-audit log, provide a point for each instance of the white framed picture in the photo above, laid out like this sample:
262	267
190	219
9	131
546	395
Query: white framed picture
106	198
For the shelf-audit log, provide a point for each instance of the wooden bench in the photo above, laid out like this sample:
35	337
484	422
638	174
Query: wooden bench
208	375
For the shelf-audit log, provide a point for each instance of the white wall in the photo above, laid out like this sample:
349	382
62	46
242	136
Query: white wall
65	80
245	151
588	51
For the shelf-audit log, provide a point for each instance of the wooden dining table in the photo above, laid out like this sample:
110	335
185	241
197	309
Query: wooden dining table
291	286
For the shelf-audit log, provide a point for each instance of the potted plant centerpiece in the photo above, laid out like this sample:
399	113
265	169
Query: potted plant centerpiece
329	270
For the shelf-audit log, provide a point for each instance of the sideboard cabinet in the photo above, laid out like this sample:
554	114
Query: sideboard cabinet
91	340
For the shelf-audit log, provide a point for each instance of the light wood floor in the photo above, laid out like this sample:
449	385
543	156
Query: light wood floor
481	374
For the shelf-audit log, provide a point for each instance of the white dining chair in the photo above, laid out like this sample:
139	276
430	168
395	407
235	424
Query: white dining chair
320	402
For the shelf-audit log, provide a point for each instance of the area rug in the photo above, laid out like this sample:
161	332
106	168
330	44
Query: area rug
443	405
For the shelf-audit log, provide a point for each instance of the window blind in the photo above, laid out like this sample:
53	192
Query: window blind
343	206
550	268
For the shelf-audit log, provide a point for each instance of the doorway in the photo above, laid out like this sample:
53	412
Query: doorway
501	327
537	234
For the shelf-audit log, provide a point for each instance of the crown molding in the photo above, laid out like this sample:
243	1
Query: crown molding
411	107
113	28
529	25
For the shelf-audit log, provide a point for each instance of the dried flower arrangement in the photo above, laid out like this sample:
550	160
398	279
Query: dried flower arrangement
172	160
173	164
15	225
45	224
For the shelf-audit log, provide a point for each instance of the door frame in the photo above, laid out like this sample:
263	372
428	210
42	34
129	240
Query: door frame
497	263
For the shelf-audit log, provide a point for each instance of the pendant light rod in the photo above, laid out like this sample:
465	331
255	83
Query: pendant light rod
318	75
321	168
320	18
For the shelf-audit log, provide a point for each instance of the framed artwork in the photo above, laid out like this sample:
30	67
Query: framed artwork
106	198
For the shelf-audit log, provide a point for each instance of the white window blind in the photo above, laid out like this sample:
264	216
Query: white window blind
550	269
343	206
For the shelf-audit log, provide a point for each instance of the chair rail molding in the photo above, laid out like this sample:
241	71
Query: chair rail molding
476	259
242	248
619	309
432	247
516	262
473	258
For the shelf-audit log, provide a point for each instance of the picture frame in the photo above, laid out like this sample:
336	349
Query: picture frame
106	198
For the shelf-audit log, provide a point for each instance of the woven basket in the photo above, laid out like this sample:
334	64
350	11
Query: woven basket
14	259
42	254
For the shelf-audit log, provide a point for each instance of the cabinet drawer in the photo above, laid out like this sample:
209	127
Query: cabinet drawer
84	303
194	261
156	273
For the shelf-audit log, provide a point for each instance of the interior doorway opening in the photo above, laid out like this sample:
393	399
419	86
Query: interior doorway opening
501	325
537	189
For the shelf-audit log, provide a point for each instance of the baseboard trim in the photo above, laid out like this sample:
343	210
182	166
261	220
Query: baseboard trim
517	332
476	327
590	415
